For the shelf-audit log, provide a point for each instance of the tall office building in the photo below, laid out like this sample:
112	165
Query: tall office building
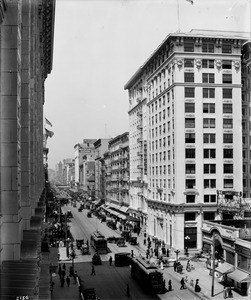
185	115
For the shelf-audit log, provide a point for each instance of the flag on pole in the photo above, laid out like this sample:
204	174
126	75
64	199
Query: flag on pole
48	122
190	1
49	133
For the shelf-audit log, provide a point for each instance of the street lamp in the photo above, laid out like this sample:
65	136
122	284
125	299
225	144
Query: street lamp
177	252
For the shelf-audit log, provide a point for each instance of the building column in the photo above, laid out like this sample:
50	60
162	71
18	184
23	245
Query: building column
11	228
25	117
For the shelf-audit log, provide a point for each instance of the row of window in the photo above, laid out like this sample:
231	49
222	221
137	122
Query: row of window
227	183
208	123
208	93
191	154
208	64
210	168
208	77
208	108
208	138
207	47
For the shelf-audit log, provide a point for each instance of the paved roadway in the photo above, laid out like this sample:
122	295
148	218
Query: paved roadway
110	281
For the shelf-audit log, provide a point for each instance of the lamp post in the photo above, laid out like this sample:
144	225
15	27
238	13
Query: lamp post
177	253
213	266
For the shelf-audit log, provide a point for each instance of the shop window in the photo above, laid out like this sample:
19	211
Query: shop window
190	216
190	237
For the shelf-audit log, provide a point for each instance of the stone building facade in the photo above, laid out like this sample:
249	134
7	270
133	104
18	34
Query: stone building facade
27	29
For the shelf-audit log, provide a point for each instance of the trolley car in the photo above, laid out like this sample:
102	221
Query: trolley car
147	275
99	242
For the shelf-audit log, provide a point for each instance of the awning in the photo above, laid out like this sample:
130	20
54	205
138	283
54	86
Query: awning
239	276
124	209
225	268
133	219
123	217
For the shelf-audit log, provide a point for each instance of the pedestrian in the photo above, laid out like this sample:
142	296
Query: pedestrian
188	266
68	281
59	271
93	271
197	287
62	281
170	288
63	273
110	260
225	293
75	276
127	290
182	282
230	293
51	286
175	266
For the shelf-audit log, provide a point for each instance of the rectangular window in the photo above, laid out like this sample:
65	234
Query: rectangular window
189	92
188	47
209	48
228	183
208	123
227	153
189	77
227	93
190	153
209	198
189	122
226	48
227	123
190	198
208	215
207	77
209	183
190	168
209	168
208	63
190	216
189	107
190	183
209	153
227	64
228	168
228	138
190	138
208	93
208	108
227	108
226	78
189	63
209	138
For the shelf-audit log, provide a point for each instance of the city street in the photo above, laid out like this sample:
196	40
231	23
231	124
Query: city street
110	281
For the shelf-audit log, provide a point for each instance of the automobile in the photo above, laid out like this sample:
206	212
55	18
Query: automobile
85	249
120	242
122	259
126	234
133	240
96	259
112	239
69	214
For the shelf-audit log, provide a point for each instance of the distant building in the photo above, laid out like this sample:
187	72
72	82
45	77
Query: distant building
101	146
185	118
68	165
84	151
117	175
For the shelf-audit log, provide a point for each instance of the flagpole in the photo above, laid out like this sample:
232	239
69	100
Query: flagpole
178	13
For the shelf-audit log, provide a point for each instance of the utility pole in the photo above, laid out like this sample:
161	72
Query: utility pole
213	266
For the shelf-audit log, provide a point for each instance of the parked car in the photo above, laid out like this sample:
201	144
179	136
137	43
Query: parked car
133	240
120	242
126	234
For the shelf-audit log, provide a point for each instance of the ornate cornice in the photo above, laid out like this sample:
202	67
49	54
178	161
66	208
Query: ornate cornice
47	16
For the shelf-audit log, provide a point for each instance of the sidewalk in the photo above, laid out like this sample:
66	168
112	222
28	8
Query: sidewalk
201	273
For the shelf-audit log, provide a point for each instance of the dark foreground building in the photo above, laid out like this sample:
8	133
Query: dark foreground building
27	28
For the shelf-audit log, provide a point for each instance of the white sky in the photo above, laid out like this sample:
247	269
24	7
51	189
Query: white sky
99	45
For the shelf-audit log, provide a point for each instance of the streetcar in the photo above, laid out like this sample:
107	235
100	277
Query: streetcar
147	275
99	242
